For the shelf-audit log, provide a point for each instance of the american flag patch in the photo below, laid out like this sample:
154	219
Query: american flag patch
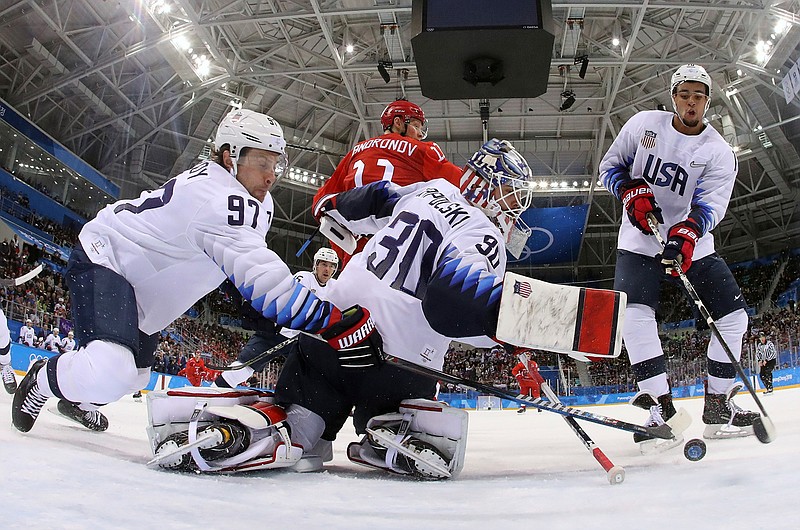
522	288
649	140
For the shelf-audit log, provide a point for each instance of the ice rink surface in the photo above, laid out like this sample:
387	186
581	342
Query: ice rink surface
522	471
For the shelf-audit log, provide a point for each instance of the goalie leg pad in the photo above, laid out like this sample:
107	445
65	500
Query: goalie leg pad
433	435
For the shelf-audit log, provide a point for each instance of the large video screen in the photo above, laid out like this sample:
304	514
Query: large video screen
462	14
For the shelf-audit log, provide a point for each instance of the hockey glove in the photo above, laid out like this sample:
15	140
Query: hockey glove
638	201
353	335
681	240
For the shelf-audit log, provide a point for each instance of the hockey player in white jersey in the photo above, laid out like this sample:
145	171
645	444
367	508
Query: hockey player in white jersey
434	248
142	263
266	336
675	167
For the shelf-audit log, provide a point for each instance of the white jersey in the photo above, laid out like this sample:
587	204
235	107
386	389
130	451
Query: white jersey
52	343
308	280
27	336
434	262
687	173
179	242
67	344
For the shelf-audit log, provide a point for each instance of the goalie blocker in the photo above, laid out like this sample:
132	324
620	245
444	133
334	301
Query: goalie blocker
565	319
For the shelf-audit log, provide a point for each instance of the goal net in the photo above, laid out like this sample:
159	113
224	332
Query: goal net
489	403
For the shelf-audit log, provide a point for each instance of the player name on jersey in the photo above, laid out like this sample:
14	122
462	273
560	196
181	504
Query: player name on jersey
401	146
454	213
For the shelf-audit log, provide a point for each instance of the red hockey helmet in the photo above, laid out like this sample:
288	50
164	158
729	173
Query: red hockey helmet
402	108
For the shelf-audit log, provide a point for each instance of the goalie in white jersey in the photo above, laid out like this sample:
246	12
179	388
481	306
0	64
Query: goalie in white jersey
677	168
432	271
142	263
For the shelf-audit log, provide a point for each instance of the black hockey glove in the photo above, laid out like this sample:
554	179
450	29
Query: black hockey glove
353	335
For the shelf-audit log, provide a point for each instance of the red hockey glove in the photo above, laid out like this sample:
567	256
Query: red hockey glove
681	240
352	333
638	201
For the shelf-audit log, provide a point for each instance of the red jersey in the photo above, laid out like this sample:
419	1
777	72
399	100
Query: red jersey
195	371
527	374
392	157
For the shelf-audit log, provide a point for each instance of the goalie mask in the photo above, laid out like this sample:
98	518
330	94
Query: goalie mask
244	128
498	180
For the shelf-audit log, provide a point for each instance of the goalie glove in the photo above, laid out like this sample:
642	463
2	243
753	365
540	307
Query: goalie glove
638	200
353	335
678	251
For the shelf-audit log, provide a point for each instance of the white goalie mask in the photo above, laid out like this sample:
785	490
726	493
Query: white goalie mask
244	128
498	180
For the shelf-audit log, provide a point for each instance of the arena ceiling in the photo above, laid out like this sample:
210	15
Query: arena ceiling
136	87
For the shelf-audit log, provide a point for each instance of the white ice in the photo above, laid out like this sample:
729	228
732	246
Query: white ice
522	471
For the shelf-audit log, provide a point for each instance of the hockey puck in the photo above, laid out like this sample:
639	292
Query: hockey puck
694	449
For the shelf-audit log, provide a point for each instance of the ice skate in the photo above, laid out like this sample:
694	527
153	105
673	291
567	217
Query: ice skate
28	400
9	381
91	419
662	411
522	409
215	441
725	419
137	397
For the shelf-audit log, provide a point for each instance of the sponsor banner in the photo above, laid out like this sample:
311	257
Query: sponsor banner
556	235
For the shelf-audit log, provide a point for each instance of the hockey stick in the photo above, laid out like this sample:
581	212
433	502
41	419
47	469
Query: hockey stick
661	431
13	282
615	474
763	427
306	243
266	354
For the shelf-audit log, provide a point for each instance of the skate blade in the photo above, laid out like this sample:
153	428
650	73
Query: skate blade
720	432
656	446
54	410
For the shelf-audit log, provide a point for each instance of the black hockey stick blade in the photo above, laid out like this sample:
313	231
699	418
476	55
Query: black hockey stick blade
764	430
267	354
664	431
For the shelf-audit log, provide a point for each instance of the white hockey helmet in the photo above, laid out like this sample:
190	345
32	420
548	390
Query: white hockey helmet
498	165
244	128
71	334
690	72
55	331
326	254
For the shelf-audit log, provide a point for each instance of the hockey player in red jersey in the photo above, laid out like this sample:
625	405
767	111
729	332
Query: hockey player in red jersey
399	155
195	370
527	374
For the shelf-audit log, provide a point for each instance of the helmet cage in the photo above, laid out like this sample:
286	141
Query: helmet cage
499	173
